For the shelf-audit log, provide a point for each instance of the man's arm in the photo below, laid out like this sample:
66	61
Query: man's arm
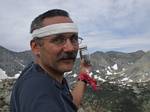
80	87
78	92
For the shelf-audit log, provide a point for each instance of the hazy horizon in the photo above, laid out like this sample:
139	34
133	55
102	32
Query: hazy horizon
105	25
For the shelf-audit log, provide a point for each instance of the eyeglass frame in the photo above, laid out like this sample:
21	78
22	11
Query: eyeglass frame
57	36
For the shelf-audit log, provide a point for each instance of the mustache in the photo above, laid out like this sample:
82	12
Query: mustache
67	55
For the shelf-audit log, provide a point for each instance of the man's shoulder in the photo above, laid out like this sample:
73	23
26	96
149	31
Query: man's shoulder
32	71
31	77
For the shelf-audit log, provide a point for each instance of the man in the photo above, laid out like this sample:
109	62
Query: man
41	86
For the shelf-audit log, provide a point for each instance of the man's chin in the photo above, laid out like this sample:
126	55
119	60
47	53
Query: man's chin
67	65
66	69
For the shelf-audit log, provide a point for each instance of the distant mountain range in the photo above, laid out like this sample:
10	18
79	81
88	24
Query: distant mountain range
107	66
123	79
13	62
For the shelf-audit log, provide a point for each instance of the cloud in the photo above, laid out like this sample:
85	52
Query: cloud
119	24
107	41
122	17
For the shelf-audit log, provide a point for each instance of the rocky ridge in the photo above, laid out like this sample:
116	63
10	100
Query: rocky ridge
124	80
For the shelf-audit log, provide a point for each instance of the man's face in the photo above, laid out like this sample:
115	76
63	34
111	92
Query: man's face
55	56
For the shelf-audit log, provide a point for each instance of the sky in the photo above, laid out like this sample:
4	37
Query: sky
105	25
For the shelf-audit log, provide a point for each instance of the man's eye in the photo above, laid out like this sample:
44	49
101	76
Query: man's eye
57	40
74	38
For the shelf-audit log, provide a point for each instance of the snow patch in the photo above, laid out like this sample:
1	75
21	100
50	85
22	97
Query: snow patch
75	75
123	69
16	75
101	79
109	68
90	74
3	74
66	73
125	79
109	73
97	71
95	77
115	67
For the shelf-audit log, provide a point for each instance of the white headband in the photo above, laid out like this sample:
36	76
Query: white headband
55	29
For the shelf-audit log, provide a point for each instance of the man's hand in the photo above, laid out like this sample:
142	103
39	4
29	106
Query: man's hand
84	76
84	67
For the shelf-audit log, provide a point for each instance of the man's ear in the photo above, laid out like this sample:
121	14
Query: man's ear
35	47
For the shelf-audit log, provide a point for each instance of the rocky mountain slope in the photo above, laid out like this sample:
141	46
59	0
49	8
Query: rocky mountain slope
13	62
124	80
109	98
112	65
107	65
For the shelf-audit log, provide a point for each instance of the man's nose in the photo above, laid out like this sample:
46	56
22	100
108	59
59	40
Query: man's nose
68	46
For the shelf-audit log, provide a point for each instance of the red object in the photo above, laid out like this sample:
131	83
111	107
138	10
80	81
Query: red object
86	78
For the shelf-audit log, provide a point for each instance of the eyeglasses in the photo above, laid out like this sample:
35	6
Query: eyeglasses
61	39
